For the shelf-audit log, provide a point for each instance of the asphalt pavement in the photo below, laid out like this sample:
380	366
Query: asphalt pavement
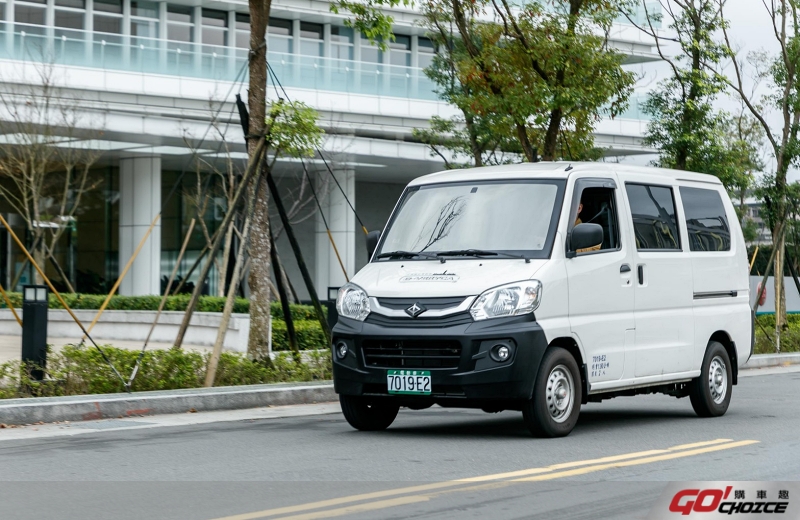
305	462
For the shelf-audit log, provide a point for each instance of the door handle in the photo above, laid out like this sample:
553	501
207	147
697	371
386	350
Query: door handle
624	268
640	273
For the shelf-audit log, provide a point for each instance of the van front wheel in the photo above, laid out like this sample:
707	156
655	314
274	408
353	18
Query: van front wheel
556	403
368	414
711	392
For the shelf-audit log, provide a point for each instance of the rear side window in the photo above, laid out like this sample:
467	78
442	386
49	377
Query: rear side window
706	220
654	221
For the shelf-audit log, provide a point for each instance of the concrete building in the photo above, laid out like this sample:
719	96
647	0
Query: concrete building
153	75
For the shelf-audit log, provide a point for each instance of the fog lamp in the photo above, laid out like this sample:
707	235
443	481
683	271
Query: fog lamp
341	350
500	353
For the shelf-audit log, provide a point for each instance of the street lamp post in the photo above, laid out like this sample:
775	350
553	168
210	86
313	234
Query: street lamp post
34	329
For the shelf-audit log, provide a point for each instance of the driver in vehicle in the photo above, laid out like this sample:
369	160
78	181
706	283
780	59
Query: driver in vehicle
579	221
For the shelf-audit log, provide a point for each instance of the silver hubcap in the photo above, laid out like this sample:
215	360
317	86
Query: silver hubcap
560	393
717	380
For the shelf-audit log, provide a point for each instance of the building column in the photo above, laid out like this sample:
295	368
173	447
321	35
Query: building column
342	223
140	202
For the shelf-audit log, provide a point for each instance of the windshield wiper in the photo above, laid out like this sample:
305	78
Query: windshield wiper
480	252
408	254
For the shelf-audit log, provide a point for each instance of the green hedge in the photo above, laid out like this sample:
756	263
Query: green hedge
790	338
309	335
150	303
309	332
81	370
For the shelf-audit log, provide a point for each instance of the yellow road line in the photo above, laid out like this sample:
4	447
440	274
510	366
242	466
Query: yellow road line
392	502
613	458
433	486
425	491
635	462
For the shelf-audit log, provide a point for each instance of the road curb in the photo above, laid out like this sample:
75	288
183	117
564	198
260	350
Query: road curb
772	360
103	406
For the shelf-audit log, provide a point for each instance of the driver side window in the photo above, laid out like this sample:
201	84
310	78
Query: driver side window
598	206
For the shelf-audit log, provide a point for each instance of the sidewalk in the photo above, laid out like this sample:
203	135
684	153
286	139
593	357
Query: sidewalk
11	346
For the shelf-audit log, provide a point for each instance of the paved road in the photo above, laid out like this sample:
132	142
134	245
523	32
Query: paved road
306	462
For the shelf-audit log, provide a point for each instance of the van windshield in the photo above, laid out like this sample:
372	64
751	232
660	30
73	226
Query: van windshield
491	218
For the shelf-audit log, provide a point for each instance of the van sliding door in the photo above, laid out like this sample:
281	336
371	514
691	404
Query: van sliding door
663	282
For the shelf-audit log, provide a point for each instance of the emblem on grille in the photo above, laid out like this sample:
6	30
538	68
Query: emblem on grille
415	310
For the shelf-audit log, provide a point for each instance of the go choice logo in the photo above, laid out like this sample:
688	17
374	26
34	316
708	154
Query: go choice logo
728	501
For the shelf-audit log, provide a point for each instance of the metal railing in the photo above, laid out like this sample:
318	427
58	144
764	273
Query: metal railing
153	56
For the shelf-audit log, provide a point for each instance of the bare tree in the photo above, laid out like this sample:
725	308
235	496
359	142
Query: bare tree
46	155
780	73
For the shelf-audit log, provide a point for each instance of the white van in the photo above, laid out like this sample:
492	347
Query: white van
540	287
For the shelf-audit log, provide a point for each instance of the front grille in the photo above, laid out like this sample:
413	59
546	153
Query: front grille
391	353
461	318
430	303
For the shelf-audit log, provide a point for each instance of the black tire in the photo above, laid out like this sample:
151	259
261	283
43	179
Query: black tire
544	414
711	392
368	414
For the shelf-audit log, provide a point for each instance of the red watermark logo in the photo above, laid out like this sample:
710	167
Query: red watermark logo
688	501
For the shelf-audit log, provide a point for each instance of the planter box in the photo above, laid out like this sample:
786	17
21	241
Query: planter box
134	326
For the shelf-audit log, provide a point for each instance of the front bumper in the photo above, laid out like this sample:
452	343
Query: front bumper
472	379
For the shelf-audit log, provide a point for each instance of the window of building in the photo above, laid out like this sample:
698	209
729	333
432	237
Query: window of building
654	221
341	43
31	12
108	16
179	23
144	9
69	14
598	206
400	51
68	19
215	27
370	53
243	30
706	220
311	39
144	19
76	4
426	50
279	35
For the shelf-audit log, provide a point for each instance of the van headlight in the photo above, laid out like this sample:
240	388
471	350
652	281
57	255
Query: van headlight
513	299
352	302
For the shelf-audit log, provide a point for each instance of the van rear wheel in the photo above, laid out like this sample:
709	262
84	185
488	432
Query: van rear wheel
556	403
711	392
368	414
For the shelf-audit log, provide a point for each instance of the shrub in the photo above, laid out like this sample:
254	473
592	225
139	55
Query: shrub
178	302
309	335
790	338
81	370
309	332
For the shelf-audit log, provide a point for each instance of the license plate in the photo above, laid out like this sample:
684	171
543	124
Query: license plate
415	382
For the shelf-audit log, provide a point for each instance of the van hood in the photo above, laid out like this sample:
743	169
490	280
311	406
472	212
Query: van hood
431	278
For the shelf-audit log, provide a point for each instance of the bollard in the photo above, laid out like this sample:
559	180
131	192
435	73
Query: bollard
34	328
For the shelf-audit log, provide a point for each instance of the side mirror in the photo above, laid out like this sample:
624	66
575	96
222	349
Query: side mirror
372	242
584	236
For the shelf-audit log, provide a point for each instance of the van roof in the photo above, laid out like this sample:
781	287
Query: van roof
554	170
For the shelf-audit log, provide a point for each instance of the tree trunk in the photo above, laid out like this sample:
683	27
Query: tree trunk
525	143
259	232
780	293
39	257
551	136
779	242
